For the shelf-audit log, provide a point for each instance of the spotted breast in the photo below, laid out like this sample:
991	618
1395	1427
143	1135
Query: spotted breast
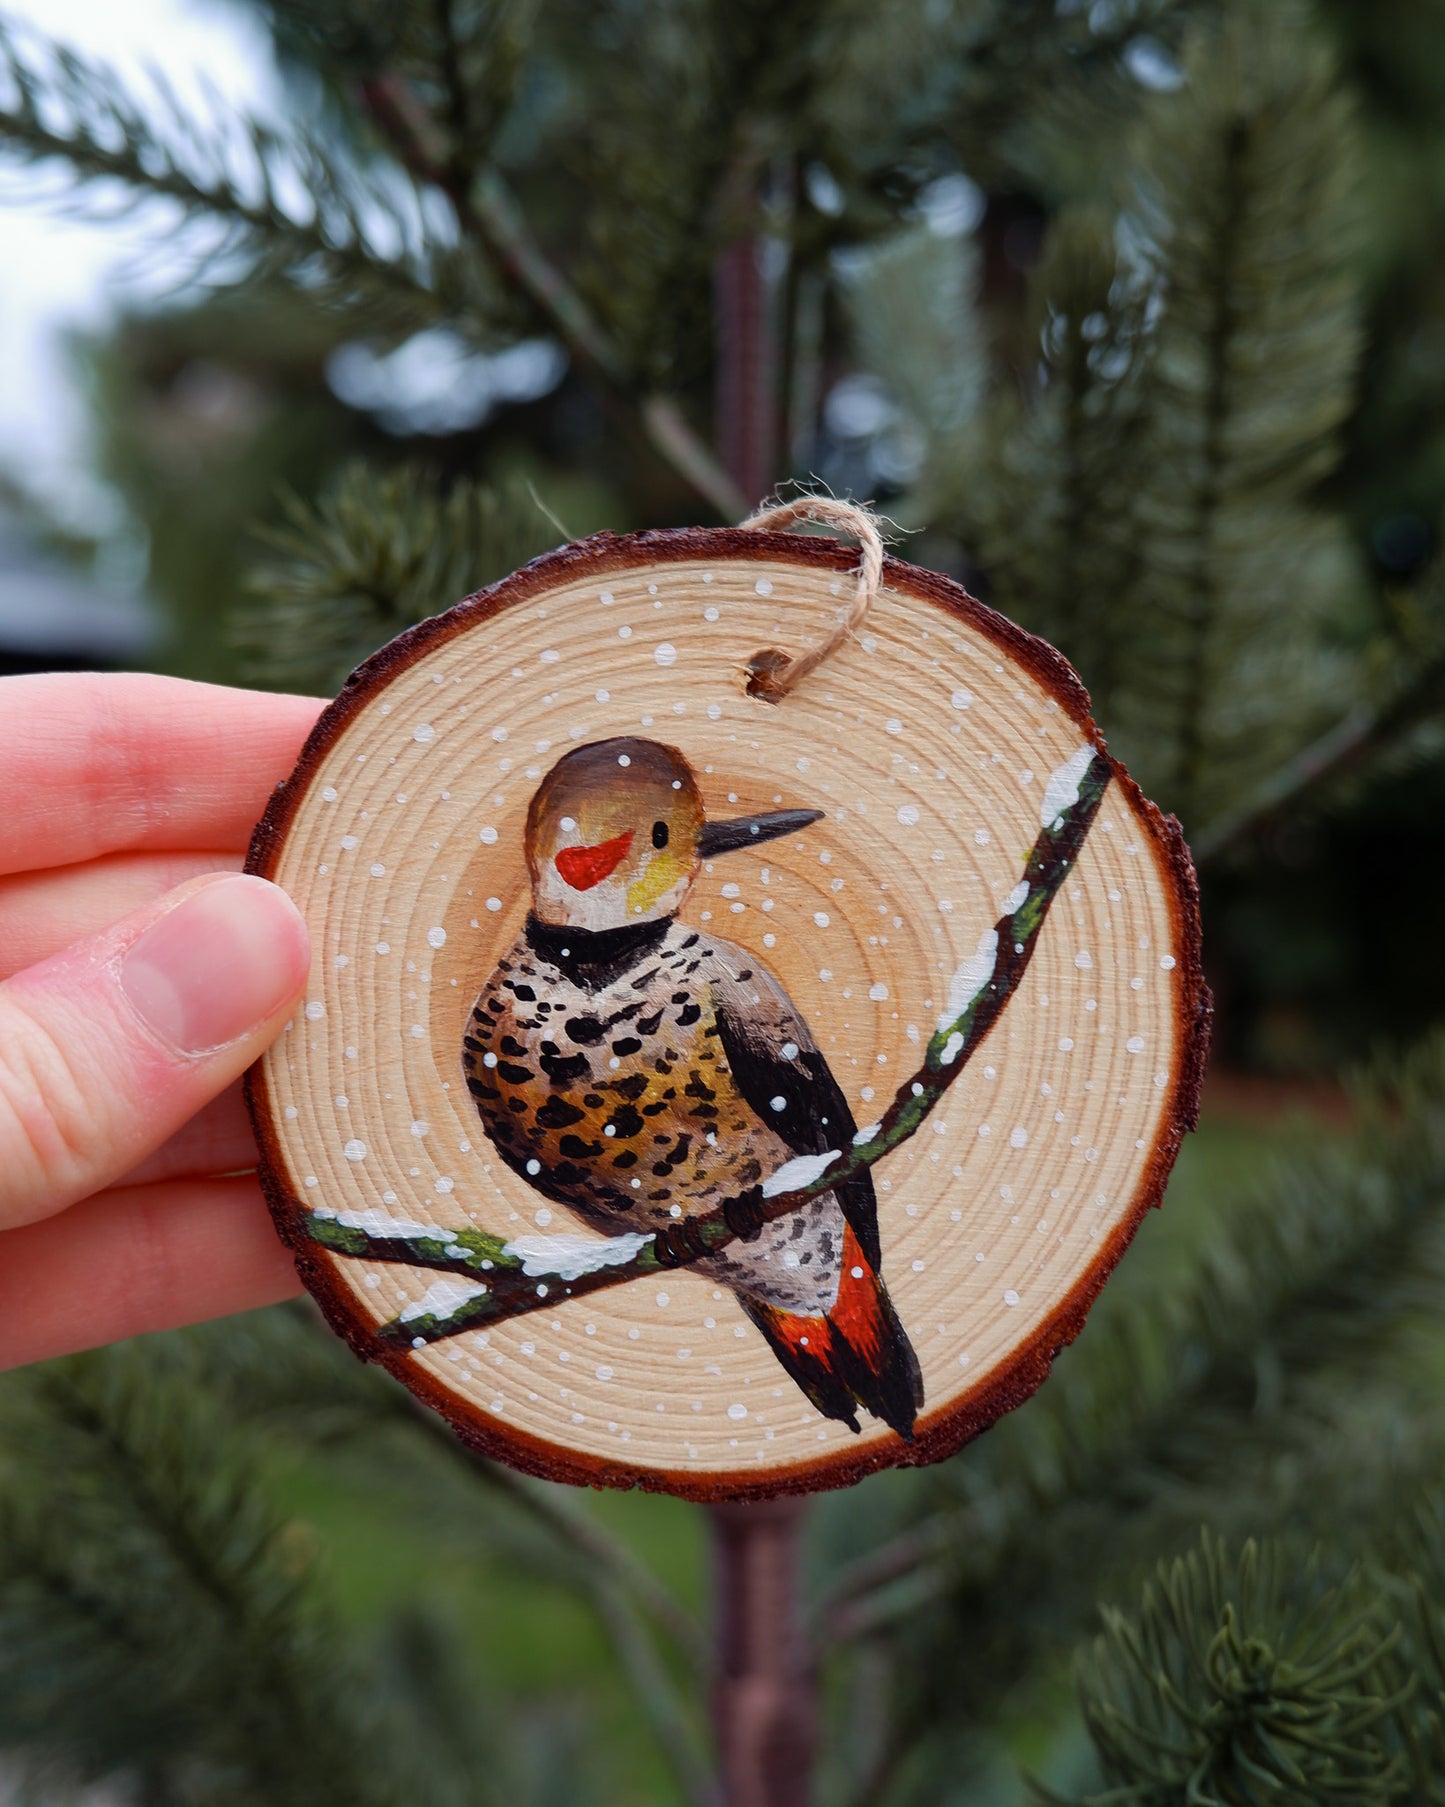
606	1073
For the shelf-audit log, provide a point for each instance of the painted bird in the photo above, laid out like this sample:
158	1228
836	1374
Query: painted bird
638	1071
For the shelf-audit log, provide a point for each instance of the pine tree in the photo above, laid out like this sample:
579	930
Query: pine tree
1124	312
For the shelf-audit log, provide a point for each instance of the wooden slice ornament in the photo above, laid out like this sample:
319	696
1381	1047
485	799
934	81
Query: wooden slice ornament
722	1073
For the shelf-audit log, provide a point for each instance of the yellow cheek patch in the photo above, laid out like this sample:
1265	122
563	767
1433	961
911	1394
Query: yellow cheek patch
660	874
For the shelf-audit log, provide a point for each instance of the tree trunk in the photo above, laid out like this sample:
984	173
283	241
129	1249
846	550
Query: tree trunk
765	1707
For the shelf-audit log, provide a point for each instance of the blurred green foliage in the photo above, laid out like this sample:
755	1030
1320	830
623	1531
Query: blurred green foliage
1132	313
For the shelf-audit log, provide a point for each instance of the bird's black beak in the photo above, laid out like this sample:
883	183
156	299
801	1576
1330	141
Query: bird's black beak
751	831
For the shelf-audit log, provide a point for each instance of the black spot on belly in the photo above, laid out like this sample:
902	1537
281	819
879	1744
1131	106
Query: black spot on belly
512	1073
689	1014
632	1087
584	1030
479	1090
577	1149
626	1159
510	1045
565	1069
593	1101
556	1113
523	991
519	1105
662	1192
628	1044
648	1025
651	1110
625	1120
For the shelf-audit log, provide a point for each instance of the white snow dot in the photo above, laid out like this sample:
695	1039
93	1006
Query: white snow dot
878	992
604	1373
764	586
499	733
893	725
1066	1044
436	937
423	732
1167	962
315	1011
488	837
709	614
1083	959
1018	1138
778	1103
383	947
961	699
741	1411
378	870
348	843
567	824
603	696
420	1128
328	793
624	632
354	1151
980	837
1010	1297
624	759
821	917
665	654
907	814
494	903
550	656
534	1166
1135	1044
789	1050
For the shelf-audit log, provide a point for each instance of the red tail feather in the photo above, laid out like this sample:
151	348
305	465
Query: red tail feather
858	1352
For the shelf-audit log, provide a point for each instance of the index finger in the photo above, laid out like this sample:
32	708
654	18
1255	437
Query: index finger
99	763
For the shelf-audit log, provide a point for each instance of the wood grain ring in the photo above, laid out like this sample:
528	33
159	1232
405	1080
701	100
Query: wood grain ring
928	743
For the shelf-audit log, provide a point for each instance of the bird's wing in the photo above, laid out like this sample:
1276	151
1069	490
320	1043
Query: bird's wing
773	1056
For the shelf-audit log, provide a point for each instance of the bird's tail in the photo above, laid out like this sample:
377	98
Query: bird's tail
859	1354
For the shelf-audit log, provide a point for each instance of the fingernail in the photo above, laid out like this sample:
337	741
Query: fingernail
218	964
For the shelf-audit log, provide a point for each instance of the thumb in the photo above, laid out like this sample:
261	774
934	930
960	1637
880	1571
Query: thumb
110	1046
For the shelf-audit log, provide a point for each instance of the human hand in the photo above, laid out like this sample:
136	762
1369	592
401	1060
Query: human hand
138	979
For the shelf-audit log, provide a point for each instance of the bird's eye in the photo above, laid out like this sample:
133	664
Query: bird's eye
659	834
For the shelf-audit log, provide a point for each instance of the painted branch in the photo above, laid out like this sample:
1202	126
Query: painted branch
523	1275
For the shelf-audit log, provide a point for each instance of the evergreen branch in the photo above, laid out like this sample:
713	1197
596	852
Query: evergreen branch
519	1279
579	1533
1249	1678
62	107
375	554
620	1589
486	205
1366	730
1267	1380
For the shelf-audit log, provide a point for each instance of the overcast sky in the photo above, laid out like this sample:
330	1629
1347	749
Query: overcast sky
57	271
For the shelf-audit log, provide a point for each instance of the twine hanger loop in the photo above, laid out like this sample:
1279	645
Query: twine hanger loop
772	673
